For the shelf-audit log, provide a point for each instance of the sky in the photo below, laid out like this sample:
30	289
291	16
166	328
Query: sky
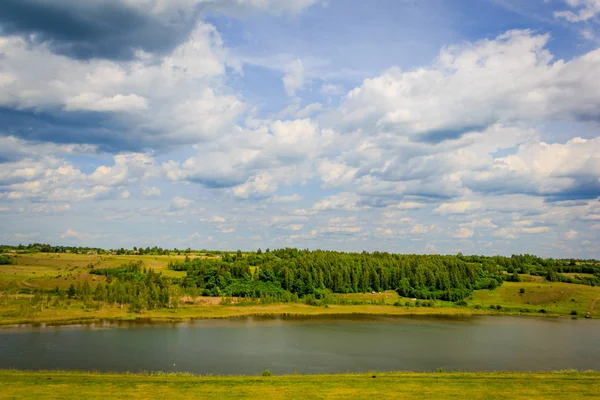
421	126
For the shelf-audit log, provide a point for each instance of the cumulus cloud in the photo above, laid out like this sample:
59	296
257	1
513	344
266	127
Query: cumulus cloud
258	186
174	99
457	94
179	203
294	77
559	171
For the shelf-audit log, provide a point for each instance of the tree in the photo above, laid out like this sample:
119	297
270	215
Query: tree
71	292
551	276
516	277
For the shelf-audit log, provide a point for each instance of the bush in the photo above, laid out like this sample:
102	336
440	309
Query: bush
477	307
542	311
573	312
266	372
6	260
461	303
522	291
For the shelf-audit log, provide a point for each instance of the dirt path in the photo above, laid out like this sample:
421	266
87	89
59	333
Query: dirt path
28	284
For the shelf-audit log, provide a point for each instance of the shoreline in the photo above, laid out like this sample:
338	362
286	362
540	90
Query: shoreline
262	312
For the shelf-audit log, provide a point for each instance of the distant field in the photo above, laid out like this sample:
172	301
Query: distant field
76	385
47	270
554	297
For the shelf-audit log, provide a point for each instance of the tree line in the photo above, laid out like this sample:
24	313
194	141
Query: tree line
292	272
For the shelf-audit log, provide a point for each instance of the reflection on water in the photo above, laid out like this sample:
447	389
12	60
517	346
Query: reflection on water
316	344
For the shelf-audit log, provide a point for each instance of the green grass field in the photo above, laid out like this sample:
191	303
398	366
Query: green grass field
46	271
76	385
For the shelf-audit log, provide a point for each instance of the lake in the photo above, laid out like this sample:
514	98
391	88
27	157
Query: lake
310	345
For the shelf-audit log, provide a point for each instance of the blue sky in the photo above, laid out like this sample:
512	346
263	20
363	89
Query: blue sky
429	126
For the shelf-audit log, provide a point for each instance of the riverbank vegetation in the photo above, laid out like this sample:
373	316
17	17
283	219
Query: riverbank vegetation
62	284
439	385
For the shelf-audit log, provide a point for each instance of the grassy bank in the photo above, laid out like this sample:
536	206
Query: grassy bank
76	385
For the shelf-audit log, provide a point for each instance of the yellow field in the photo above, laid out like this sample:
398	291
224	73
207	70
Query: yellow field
513	386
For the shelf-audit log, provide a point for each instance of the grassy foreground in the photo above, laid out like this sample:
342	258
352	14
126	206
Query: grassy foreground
77	385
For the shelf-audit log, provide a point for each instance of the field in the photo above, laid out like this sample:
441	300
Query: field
76	385
46	271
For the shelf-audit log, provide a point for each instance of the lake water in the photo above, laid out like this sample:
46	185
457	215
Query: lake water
310	345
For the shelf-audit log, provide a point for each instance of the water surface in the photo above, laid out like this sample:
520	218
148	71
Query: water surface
310	345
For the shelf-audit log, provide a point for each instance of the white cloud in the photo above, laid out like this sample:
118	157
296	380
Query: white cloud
294	77
472	86
125	194
463	233
127	168
258	186
97	102
570	169
332	89
286	199
179	203
70	233
151	191
342	201
460	207
294	227
586	10
480	223
421	229
571	235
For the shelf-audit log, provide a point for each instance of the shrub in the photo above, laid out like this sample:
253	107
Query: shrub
266	372
542	311
477	307
522	291
573	312
461	303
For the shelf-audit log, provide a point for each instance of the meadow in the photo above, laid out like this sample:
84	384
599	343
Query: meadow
440	385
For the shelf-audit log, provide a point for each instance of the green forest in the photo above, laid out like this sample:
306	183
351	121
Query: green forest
289	273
